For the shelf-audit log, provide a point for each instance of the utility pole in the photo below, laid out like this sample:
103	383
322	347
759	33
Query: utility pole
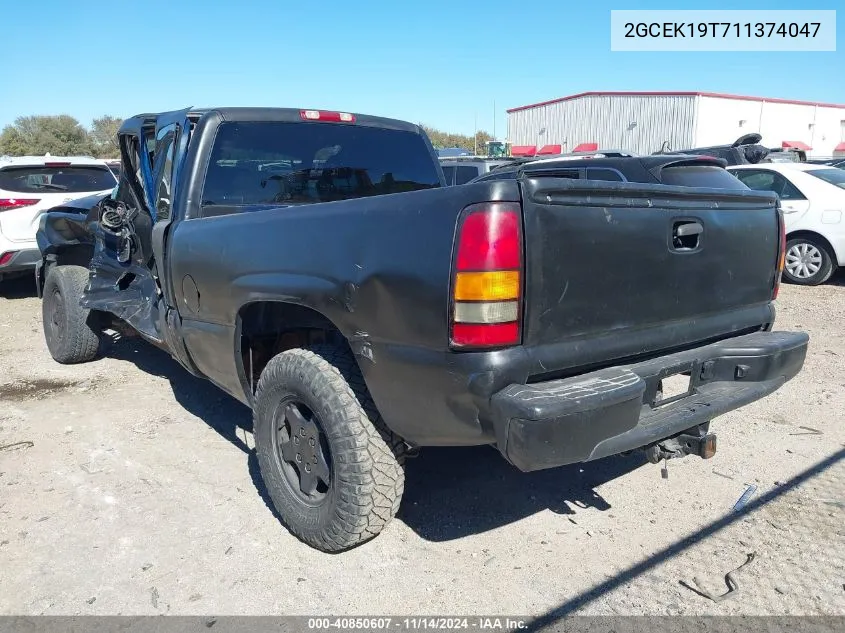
494	120
475	136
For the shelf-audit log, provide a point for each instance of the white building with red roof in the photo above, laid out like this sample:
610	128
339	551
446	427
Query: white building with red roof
645	122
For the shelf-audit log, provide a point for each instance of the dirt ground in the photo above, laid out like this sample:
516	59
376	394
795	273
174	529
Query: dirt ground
129	487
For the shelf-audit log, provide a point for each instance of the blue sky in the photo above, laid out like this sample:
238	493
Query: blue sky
437	62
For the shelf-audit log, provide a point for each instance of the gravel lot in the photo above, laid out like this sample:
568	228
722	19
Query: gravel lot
139	495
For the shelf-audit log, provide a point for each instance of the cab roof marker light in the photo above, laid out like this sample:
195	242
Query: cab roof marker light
326	115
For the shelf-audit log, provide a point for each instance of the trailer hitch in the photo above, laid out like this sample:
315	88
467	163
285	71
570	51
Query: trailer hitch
694	441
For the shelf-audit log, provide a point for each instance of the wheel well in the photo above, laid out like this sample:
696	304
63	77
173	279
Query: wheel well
74	255
77	255
270	327
820	239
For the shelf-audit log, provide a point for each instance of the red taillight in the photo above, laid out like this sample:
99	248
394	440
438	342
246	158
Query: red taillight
487	280
325	115
781	253
5	258
485	335
57	164
489	241
7	204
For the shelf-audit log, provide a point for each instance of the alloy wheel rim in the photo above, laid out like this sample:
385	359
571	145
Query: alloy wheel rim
803	260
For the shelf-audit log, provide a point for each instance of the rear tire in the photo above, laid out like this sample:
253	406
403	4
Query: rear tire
71	331
313	408
808	262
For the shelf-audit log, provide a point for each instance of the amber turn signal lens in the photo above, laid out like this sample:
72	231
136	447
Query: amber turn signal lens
498	285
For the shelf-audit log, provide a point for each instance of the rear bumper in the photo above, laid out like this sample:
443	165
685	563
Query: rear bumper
21	260
612	410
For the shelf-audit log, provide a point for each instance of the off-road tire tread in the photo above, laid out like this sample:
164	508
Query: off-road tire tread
367	458
82	336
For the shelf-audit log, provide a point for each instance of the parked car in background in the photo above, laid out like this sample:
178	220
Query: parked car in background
813	202
453	152
114	166
785	155
553	158
29	186
459	170
666	169
831	162
745	150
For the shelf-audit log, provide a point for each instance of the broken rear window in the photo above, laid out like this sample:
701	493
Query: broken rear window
269	162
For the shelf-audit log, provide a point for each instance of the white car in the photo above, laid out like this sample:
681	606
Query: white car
29	186
813	201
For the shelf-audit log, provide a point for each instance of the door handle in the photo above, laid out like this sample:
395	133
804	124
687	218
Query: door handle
682	229
686	235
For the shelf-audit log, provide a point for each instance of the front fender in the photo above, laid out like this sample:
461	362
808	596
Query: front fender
58	230
59	235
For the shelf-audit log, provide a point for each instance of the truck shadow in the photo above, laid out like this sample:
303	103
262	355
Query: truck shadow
449	492
228	417
221	412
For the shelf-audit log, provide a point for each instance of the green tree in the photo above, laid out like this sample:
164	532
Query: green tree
481	138
104	136
444	139
12	142
59	135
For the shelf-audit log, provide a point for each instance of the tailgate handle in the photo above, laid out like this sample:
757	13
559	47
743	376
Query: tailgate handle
685	235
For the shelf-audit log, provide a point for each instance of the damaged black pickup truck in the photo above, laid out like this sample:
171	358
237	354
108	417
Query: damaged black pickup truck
312	265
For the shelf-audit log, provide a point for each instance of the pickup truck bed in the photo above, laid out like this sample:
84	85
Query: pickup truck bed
543	315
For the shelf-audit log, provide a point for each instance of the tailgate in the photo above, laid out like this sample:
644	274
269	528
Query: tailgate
619	270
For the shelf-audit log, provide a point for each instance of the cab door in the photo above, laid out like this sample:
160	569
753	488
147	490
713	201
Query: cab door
129	257
120	281
173	132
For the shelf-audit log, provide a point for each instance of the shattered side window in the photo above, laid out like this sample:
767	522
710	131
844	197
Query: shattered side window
136	160
131	188
150	144
165	147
